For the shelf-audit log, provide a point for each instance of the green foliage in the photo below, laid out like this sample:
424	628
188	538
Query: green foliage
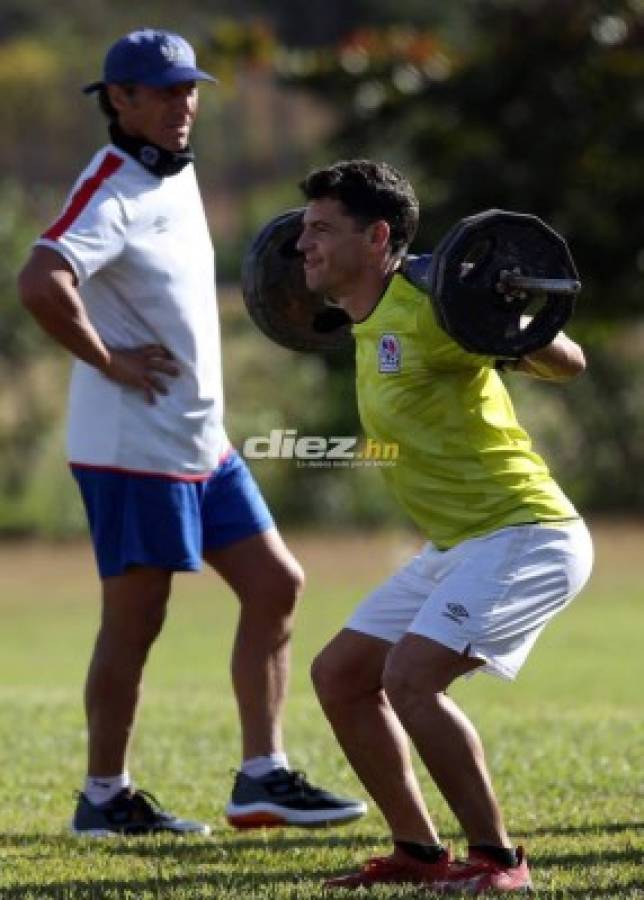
592	430
530	105
541	112
29	375
20	340
540	109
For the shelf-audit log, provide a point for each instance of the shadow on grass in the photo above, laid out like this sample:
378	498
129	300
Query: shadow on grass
272	839
238	887
212	884
188	847
606	827
589	858
222	854
628	889
215	858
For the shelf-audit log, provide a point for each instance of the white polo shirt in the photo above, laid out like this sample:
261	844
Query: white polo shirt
141	250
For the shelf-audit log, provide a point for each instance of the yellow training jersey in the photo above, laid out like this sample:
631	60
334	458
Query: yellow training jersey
465	466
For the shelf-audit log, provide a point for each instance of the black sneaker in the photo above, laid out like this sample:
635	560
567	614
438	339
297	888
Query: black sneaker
135	813
286	798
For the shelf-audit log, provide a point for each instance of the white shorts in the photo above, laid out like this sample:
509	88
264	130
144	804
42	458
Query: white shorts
488	597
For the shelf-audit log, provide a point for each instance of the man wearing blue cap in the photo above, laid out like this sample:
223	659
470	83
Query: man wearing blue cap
124	280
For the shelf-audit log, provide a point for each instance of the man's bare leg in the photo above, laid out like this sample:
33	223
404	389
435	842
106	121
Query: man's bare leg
348	678
417	673
267	580
133	611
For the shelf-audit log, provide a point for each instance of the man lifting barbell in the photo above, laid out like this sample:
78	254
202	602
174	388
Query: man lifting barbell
506	549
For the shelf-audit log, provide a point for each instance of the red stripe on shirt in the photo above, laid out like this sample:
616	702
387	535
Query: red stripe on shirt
168	476
83	195
171	476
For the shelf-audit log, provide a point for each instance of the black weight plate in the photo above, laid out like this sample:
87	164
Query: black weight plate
277	298
465	272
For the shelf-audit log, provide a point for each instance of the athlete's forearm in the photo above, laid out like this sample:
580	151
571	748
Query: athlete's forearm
48	292
559	361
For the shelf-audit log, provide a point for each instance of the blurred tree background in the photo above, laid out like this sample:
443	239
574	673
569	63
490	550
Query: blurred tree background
535	105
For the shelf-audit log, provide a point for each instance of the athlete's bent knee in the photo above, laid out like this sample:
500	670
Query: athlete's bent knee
282	591
404	688
322	676
340	680
294	581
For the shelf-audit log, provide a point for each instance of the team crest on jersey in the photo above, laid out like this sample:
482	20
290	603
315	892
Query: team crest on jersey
389	353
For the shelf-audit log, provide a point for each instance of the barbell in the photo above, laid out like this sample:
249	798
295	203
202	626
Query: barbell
501	283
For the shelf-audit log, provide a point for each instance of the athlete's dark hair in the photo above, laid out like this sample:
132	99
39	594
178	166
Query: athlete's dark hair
369	191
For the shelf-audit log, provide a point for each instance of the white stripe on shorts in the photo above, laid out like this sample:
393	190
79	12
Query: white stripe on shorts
489	597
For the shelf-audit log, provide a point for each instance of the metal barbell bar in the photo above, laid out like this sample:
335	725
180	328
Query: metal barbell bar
511	281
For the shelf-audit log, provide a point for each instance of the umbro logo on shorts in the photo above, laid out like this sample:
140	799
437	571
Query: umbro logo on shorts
456	612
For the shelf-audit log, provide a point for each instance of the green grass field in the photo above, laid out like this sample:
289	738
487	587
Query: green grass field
565	743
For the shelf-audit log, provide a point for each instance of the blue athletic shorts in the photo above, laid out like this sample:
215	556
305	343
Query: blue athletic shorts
153	520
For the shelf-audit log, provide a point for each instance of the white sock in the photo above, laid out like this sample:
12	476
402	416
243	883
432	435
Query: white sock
99	788
259	766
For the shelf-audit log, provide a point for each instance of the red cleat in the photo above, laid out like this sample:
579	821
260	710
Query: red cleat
399	868
481	875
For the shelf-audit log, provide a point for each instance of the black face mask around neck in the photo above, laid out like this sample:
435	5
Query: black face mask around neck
155	159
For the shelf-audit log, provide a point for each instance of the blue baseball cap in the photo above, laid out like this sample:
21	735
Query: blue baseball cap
151	57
